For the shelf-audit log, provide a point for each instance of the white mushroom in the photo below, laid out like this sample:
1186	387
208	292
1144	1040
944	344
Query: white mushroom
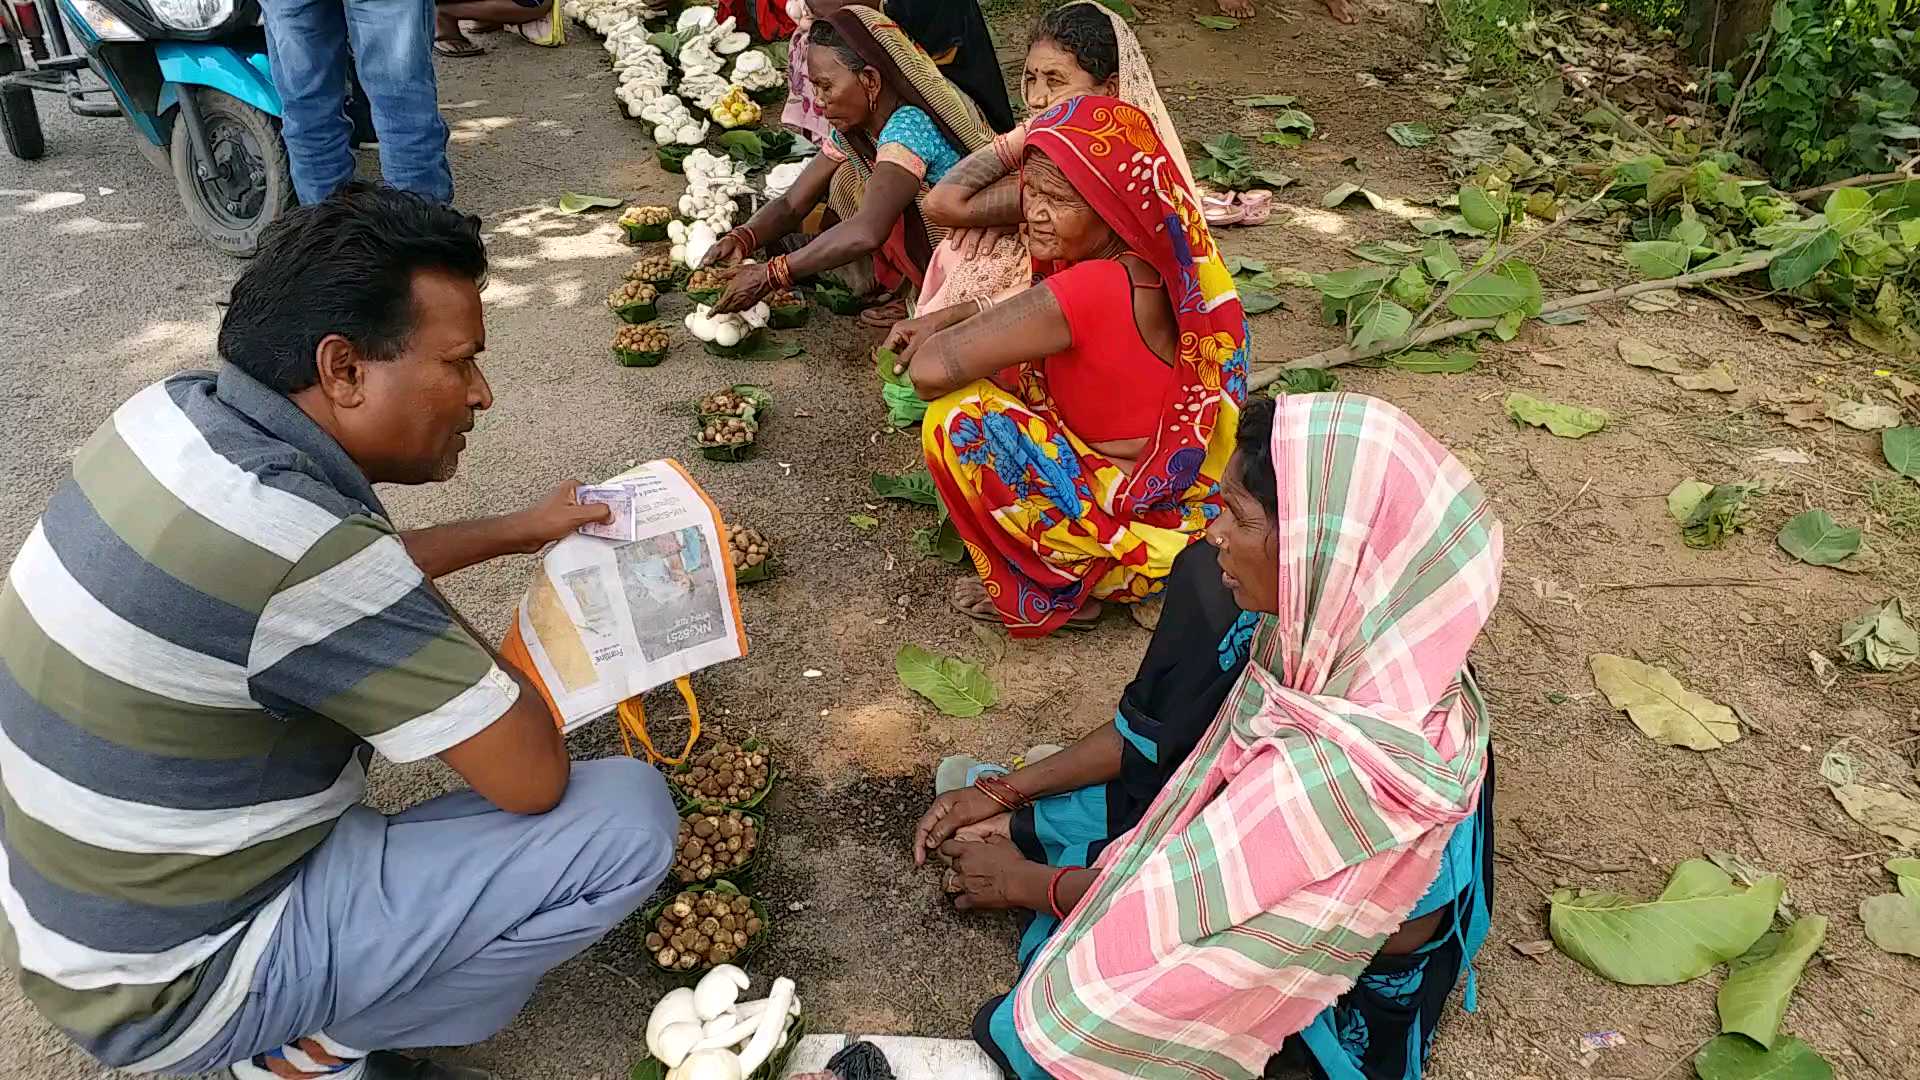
708	1065
720	988
773	1024
675	1006
676	1041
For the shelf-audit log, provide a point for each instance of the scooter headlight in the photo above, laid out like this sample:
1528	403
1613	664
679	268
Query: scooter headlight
105	24
192	14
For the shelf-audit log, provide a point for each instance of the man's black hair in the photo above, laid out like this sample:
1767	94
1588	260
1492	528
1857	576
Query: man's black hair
343	266
1255	444
1085	31
824	35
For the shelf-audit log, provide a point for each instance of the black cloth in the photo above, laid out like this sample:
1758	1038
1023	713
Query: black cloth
942	25
1197	653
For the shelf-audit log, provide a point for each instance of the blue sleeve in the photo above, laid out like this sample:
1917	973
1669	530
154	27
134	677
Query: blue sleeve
914	129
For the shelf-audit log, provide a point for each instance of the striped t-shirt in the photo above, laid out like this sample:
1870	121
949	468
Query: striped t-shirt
198	641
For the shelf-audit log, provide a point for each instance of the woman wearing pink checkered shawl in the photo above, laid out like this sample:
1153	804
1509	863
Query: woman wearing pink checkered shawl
1314	875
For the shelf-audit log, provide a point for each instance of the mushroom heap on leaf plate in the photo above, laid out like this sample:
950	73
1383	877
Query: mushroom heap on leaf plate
708	1033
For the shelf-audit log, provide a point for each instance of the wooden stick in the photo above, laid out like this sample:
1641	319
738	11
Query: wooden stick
1740	95
1606	105
1692	583
1347	354
1905	172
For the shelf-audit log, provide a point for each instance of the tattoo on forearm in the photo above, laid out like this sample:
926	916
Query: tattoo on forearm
996	204
976	170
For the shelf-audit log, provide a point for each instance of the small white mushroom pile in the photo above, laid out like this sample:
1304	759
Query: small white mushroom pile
601	16
756	72
643	77
714	181
672	123
690	242
708	1033
726	331
781	177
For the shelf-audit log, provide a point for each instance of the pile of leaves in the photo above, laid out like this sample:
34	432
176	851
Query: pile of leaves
915	486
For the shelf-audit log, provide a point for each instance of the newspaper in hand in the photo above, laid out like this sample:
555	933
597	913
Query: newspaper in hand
608	618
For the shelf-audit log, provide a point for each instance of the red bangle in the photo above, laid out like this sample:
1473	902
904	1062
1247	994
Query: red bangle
1053	891
1001	791
780	272
745	235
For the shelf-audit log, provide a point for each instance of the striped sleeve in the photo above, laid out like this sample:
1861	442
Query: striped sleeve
356	635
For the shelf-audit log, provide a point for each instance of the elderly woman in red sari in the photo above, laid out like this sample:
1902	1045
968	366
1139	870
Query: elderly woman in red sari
1078	452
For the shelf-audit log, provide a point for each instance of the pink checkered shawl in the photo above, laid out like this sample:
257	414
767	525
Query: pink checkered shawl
1313	814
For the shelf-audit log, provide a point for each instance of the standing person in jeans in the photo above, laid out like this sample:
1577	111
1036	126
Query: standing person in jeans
208	634
310	44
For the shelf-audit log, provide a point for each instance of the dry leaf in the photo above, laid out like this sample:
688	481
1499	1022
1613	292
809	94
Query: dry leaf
1534	949
1906	389
1663	709
1642	355
1654	302
1888	813
1824	672
1782	455
1717	378
1812	415
1861	417
1789	329
1546	359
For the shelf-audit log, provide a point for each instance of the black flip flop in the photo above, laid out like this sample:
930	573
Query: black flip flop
456	47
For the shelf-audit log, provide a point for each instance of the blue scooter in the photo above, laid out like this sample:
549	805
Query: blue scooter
191	77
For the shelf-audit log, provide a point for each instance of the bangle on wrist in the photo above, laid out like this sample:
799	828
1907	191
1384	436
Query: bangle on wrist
1053	891
744	236
1001	791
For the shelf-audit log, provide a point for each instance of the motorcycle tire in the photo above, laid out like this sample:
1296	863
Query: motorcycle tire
233	127
19	115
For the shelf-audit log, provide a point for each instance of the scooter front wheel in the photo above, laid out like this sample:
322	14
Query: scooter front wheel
245	186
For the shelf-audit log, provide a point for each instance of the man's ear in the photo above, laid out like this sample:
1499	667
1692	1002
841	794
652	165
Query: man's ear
342	371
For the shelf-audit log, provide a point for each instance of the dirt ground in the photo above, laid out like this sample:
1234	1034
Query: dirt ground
1594	563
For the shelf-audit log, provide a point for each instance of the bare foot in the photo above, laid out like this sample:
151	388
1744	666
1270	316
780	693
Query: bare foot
1338	9
1236	9
969	597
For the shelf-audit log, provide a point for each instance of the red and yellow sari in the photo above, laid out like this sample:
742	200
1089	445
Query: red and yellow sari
1048	523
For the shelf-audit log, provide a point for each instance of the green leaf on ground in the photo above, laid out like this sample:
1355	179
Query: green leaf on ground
1657	259
1814	537
1566	421
1907	873
1382	320
1344	192
1663	709
1893	922
914	486
1385	252
1702	918
575	203
1479	208
1642	355
1440	259
1306	381
1882	639
1849	208
1529	281
1267	101
1797	265
1426	362
1735	1057
1901	447
1410	287
1708	514
1257	301
1888	813
1216	22
1411	135
956	687
1294	120
1754	998
863	522
1488	296
1345	284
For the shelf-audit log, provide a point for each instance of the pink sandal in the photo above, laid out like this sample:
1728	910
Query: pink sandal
1222	209
1257	207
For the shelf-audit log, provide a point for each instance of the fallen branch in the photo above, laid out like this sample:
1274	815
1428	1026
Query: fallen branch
1497	257
1904	173
1605	104
1347	354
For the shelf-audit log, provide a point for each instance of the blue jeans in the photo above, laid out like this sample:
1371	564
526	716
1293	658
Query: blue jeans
392	43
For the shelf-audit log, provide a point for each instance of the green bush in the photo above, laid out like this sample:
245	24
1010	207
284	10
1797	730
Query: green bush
1836	91
1482	28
